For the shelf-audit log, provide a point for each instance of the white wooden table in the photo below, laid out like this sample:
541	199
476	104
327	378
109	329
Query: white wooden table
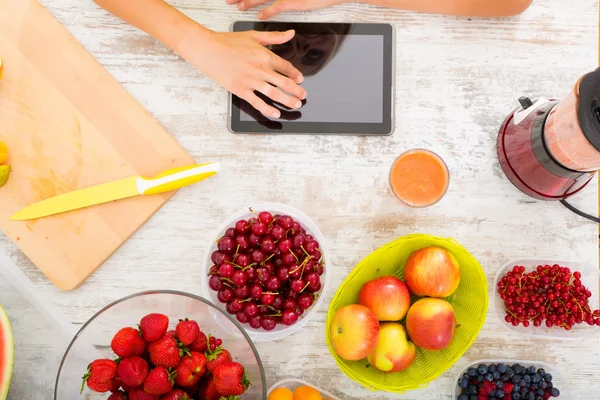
457	80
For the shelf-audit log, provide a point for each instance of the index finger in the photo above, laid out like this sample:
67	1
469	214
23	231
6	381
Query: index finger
286	68
276	8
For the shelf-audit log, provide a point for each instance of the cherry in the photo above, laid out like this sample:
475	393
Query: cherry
225	295
298	240
237	306
289	317
251	309
229	309
259	229
267	245
288	259
256	291
253	239
297	285
285	246
278	302
262	310
270	266
309	266
305	300
273	283
262	274
241	317
242	292
289	304
319	269
255	322
265	217
215	283
282	274
267	299
213	256
312	278
286	222
214	270
312	248
314	288
251	274
226	245
243	242
230	232
220	258
278	232
226	270
268	323
257	256
295	271
239	278
296	227
242	226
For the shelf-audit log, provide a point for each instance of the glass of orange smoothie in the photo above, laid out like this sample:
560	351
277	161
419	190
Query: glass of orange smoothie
419	178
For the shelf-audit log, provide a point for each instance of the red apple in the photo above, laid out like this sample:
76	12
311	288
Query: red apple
431	323
393	351
387	297
432	271
354	332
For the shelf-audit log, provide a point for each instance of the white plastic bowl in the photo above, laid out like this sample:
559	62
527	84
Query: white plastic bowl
292	384
280	331
589	278
558	379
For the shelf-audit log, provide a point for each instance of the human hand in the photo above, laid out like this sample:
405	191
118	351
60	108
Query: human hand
239	62
280	6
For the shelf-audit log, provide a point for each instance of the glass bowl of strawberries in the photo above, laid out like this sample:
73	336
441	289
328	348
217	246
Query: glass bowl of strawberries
161	345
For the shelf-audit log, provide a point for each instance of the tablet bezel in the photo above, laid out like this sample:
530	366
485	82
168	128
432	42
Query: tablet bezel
386	127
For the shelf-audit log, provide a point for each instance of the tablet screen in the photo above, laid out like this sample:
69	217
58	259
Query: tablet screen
347	76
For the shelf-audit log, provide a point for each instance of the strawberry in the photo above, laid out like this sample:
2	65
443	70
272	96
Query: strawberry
132	371
138	393
185	377
208	390
100	375
119	395
165	353
196	362
230	379
128	342
159	381
154	327
116	383
508	387
187	331
176	394
216	357
201	344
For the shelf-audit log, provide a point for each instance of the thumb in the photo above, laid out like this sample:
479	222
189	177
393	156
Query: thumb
265	38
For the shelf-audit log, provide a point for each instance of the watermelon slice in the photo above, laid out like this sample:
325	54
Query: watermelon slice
6	354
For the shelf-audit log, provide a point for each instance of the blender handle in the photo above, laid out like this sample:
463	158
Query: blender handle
579	212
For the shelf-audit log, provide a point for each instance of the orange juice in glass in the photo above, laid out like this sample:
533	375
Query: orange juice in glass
419	178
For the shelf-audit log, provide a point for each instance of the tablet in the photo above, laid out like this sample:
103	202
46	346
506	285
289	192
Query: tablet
348	75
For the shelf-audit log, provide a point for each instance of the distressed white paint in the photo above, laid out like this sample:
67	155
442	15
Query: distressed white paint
457	79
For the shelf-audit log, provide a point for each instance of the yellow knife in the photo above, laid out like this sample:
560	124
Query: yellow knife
133	186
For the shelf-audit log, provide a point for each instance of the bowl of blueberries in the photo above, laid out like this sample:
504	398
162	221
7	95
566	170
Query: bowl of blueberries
510	380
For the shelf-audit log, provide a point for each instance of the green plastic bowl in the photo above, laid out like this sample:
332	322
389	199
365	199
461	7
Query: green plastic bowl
470	302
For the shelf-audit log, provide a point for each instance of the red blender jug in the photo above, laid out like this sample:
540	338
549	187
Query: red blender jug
550	149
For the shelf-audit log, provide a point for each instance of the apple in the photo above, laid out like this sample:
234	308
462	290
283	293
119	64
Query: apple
354	332
431	323
432	271
393	351
388	297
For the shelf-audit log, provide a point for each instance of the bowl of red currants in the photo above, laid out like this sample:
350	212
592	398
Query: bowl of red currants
267	267
548	298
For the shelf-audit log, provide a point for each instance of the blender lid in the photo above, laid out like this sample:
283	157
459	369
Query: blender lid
589	107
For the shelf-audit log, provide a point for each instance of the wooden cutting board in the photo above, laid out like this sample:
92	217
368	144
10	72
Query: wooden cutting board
68	125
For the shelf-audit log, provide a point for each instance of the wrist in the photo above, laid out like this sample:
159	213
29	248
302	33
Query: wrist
191	38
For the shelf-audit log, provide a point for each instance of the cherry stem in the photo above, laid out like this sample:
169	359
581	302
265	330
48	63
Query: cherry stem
245	300
273	315
305	286
511	313
296	257
237	249
248	266
275	294
227	284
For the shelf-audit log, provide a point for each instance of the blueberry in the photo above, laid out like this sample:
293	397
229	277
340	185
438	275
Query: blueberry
543	385
531	370
539	398
504	377
473	397
530	396
472	372
472	389
499	384
463	383
548	378
462	397
555	392
492	368
510	373
536	378
480	378
499	393
541	371
522	383
489	377
527	378
516	366
496	375
515	378
550	385
501	368
482	369
523	390
516	396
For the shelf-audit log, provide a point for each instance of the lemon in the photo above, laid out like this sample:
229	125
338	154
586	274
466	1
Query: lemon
3	152
4	172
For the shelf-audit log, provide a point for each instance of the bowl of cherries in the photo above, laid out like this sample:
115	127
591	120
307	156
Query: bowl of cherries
267	267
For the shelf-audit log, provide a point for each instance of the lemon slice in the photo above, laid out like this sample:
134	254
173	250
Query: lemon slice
3	152
4	172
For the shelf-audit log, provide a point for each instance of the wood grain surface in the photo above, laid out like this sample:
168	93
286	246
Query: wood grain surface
457	79
69	125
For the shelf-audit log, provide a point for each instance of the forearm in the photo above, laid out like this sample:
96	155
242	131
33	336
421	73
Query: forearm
483	8
158	19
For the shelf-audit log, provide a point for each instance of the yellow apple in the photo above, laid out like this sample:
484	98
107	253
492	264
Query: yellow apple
354	332
393	352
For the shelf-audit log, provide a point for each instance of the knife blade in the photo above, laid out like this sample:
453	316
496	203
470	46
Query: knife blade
129	187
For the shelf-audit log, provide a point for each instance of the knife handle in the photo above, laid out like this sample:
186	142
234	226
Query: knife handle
176	178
